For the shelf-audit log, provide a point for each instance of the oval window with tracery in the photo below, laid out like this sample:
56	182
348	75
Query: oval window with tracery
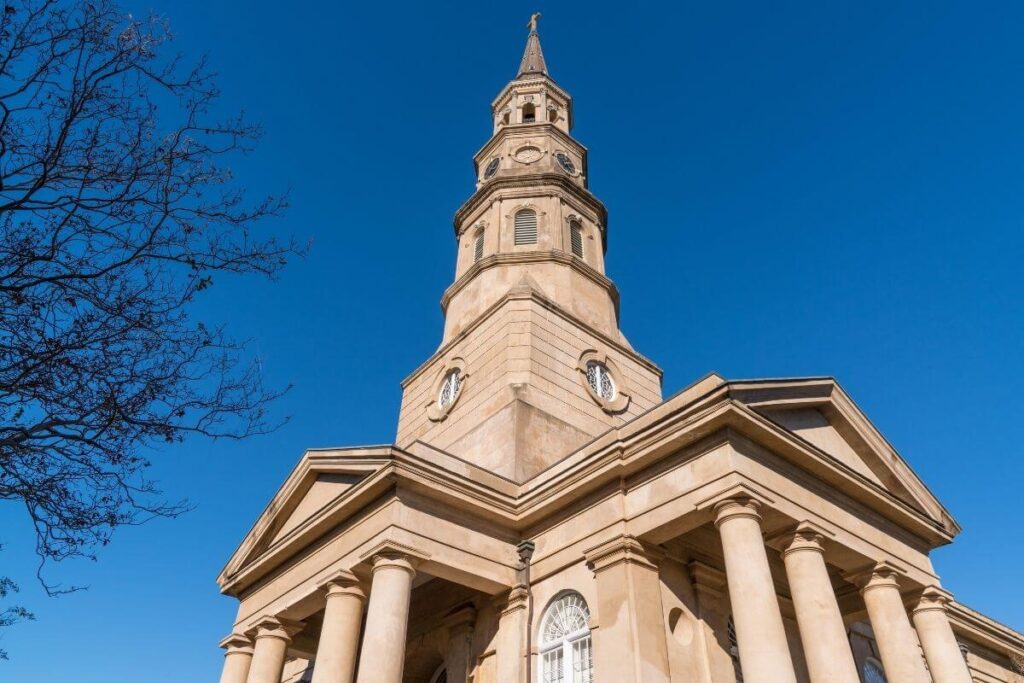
600	380
449	390
565	645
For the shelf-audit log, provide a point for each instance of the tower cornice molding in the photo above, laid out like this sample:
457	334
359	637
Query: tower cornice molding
526	83
526	130
515	258
557	181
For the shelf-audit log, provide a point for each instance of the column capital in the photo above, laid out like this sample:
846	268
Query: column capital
804	536
277	627
622	548
878	575
237	643
343	582
932	598
737	506
392	554
516	599
461	619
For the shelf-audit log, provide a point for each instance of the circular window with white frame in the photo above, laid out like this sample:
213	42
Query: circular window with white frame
603	381
448	388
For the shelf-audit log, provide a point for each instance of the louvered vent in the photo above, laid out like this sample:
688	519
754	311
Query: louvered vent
576	237
526	227
478	247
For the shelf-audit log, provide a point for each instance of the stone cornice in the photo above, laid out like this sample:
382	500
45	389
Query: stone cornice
541	81
667	428
530	130
545	183
976	627
524	257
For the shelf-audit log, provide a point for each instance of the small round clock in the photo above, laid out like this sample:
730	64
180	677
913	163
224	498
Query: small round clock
492	167
565	162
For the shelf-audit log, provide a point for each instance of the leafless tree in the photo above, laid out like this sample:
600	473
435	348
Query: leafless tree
116	210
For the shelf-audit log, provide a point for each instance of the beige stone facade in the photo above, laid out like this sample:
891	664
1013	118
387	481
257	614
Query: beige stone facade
544	515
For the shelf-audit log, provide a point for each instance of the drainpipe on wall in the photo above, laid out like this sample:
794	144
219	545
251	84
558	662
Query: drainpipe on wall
525	550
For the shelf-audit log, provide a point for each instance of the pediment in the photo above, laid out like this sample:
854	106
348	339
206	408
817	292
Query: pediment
818	411
320	482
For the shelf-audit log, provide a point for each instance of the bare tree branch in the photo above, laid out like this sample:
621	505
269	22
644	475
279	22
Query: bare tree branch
116	210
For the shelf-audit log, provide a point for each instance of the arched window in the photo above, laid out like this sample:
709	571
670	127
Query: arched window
478	246
565	651
552	113
872	671
526	227
529	113
576	238
734	649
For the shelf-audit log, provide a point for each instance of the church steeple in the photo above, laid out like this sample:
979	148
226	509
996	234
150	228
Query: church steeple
532	363
533	57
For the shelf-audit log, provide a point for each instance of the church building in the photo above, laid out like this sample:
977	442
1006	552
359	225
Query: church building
545	515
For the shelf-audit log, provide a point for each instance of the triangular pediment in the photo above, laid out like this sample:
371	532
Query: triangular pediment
819	412
321	481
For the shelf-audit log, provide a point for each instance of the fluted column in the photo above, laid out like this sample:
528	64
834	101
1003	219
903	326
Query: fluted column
826	647
273	634
387	621
237	658
897	644
945	660
339	637
760	634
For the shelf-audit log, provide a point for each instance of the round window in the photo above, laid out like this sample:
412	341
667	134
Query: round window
600	380
449	390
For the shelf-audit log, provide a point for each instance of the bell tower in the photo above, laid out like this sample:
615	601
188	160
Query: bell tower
532	364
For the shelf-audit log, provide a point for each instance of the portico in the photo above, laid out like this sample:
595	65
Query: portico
545	516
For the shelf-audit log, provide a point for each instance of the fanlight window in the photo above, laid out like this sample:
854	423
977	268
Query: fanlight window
565	647
526	227
600	380
449	390
576	238
872	671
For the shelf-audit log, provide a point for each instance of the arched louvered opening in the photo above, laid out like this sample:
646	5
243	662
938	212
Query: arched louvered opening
566	653
529	113
526	227
552	114
478	246
576	238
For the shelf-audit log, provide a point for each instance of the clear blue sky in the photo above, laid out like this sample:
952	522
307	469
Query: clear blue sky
794	189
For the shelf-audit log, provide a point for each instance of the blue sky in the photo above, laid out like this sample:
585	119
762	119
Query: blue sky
793	188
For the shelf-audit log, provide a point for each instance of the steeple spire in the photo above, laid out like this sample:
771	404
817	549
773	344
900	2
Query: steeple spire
533	56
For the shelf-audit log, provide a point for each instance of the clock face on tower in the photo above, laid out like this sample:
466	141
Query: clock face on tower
565	162
492	167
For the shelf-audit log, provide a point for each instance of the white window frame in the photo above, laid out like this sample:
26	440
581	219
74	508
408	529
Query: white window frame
567	644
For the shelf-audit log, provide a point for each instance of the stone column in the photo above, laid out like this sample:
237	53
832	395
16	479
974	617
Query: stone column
901	655
460	640
826	647
273	634
509	651
760	634
237	658
339	637
383	655
945	660
630	645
